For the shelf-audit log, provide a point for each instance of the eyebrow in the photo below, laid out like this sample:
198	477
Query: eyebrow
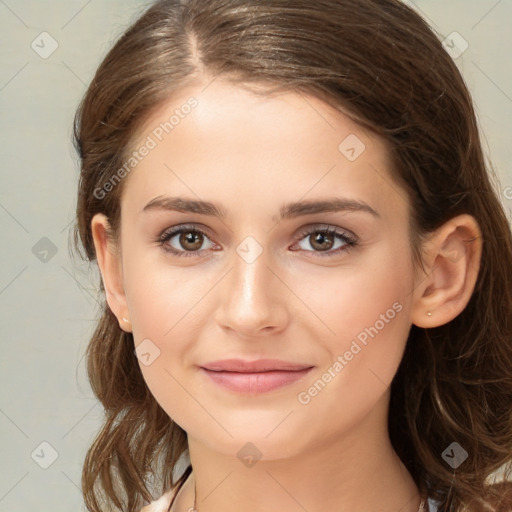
287	211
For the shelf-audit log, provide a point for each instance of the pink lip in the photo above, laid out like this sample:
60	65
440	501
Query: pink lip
254	376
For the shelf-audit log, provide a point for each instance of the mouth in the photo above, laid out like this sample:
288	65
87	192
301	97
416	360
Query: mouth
254	377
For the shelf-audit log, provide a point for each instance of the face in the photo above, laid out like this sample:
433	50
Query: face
301	254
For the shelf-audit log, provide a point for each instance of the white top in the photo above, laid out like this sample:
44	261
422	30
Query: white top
432	505
162	504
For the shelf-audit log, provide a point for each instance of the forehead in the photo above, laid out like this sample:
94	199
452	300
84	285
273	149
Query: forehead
223	139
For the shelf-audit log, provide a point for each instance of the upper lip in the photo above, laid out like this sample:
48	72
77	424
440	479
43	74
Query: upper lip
260	365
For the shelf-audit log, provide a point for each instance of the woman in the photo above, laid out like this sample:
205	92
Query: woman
307	271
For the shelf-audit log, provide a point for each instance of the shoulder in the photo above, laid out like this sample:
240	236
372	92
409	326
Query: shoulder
161	504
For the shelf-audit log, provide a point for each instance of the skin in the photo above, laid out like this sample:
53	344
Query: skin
251	155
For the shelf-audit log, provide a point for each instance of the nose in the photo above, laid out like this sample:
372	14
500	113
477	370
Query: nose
252	299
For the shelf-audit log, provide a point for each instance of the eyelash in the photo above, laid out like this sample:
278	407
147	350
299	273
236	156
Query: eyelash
350	242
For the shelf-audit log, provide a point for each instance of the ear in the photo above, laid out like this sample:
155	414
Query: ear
451	258
109	262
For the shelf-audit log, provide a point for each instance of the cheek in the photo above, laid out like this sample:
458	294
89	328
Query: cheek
358	374
370	320
354	297
161	297
166	308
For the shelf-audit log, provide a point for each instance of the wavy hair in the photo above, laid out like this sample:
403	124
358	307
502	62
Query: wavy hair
378	62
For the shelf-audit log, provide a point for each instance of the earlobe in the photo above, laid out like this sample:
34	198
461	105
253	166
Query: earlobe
452	261
109	264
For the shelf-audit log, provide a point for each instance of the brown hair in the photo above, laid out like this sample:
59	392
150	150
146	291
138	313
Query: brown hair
380	62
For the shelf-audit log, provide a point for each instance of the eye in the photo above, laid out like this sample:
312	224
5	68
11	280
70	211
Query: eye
190	238
325	239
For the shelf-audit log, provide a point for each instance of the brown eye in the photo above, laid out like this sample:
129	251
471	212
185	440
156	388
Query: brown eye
191	240
325	241
321	241
184	241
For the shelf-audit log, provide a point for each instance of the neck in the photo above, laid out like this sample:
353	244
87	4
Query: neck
358	471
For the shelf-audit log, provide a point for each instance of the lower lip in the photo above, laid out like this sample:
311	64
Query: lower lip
254	383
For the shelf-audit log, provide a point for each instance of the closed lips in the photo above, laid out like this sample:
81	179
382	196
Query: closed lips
254	377
261	365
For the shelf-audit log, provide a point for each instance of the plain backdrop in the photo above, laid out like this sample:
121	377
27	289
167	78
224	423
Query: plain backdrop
48	301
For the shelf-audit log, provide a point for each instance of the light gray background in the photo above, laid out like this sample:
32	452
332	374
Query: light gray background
48	308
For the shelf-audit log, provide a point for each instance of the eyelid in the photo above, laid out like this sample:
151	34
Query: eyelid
184	227
313	228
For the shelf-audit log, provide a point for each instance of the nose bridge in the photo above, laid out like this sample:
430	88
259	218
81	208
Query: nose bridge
250	265
250	280
249	300
251	276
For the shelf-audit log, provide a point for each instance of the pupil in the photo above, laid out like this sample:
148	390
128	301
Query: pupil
320	240
190	238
